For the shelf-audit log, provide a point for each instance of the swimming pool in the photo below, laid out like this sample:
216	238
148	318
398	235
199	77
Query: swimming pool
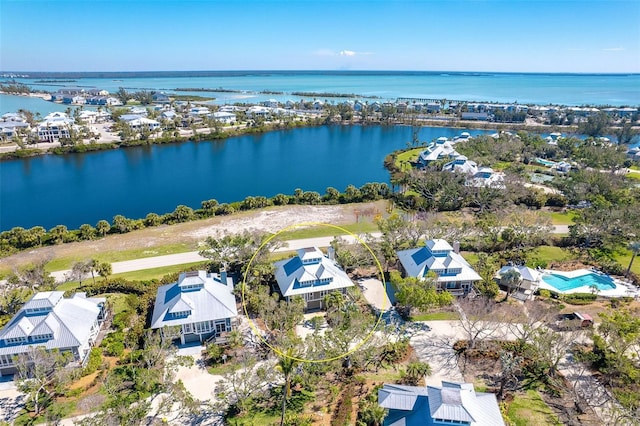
564	283
546	162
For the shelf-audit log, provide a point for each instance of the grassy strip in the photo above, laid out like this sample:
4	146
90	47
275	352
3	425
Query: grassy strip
156	273
558	218
403	159
327	231
436	316
529	409
624	258
550	254
62	263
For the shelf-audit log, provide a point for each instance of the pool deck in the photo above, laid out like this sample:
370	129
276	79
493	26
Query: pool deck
623	289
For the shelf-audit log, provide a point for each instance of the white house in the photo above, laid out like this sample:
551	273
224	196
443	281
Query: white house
199	111
451	404
54	127
144	123
258	111
453	272
526	286
486	177
462	165
437	151
311	275
9	129
224	117
199	306
51	321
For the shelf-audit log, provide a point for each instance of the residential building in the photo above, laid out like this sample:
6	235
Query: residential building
196	308
224	117
486	177
54	322
440	150
160	97
453	272
9	129
526	286
451	404
311	275
144	123
54	127
461	165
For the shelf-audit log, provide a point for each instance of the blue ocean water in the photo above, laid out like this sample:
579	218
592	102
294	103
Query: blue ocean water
562	89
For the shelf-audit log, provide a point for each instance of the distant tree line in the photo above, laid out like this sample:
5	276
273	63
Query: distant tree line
19	238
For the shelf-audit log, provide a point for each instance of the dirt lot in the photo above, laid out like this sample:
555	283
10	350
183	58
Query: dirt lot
270	219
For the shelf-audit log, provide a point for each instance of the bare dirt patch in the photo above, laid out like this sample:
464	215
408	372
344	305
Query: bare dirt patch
190	233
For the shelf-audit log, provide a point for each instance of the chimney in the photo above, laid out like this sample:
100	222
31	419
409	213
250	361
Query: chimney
456	246
331	253
223	274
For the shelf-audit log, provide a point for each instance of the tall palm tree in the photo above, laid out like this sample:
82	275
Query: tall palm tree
634	246
512	280
287	364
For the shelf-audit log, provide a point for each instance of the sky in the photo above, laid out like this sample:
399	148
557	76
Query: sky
582	36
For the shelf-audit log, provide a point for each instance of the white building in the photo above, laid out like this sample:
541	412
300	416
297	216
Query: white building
311	275
453	272
198	307
51	321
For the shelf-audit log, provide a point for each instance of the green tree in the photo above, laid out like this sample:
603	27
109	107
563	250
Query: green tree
103	269
58	234
625	133
595	125
87	232
287	364
634	246
102	228
41	375
415	371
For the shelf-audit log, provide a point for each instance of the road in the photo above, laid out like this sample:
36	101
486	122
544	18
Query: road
193	256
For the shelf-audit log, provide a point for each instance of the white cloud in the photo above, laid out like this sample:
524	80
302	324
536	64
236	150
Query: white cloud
614	49
347	53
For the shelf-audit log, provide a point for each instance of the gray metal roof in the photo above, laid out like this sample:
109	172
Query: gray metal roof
418	261
212	301
419	406
292	271
70	321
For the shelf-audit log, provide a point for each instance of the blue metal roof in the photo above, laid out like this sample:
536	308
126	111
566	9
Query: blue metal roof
291	266
421	256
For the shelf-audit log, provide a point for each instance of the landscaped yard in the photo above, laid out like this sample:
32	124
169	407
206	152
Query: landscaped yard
403	159
562	218
529	409
436	316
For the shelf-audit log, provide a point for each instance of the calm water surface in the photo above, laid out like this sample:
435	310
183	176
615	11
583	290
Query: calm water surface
84	188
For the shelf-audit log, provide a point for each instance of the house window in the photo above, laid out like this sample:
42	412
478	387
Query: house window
187	328
13	340
203	327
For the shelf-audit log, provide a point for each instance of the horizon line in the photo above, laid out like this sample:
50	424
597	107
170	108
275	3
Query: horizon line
322	71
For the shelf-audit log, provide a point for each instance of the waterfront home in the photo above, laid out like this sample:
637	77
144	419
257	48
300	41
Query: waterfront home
311	275
130	117
55	126
439	150
199	111
562	167
160	97
461	165
13	117
290	104
450	404
138	111
453	272
480	116
486	177
318	105
432	107
258	111
224	117
144	123
102	100
53	322
271	103
199	307
9	129
525	286
169	115
73	99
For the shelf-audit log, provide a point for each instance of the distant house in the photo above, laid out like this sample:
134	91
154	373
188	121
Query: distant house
54	127
199	111
432	107
526	286
270	103
199	306
169	115
480	116
144	123
453	272
311	275
138	111
258	111
224	117
318	105
160	97
54	322
73	99
562	167
451	404
9	129
290	104
461	165
439	150
486	177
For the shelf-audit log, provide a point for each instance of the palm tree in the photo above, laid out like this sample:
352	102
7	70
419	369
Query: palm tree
511	279
634	246
287	363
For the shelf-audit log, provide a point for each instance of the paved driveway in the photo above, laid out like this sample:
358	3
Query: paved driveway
436	348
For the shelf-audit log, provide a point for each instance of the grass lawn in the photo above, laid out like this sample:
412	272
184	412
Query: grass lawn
529	409
118	301
328	231
402	160
551	253
635	176
255	419
62	263
157	273
436	316
625	257
558	218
